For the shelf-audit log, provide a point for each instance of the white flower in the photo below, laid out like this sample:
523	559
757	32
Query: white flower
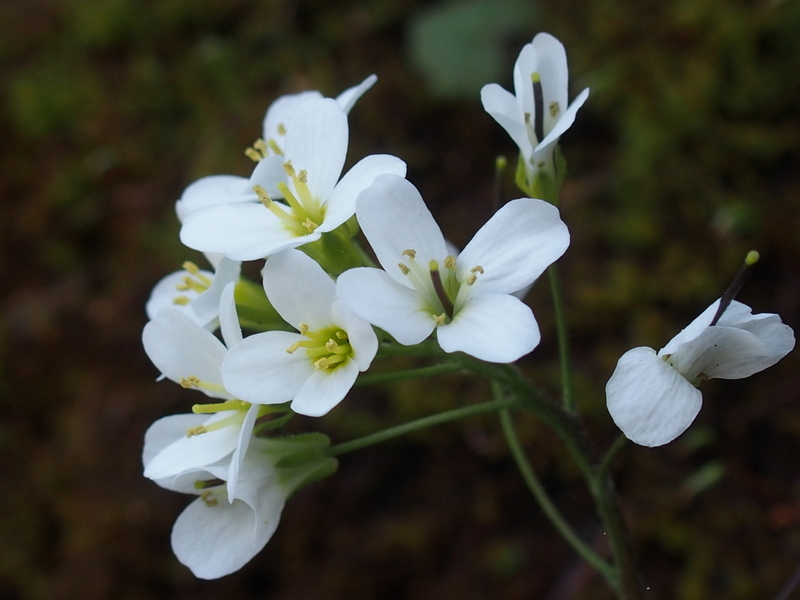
537	115
316	201
188	354
652	397
222	189
314	368
194	292
466	298
218	534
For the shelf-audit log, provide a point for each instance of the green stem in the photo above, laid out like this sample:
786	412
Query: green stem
608	459
547	506
441	369
423	423
563	338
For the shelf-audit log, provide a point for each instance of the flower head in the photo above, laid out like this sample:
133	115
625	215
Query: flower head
536	115
653	397
220	532
467	297
316	201
314	368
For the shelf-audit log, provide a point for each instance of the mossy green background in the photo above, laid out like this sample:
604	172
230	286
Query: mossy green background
683	159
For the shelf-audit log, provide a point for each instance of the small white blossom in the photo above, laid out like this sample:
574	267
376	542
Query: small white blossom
194	292
314	368
536	115
465	297
316	201
653	397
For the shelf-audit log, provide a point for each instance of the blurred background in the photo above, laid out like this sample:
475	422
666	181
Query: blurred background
683	159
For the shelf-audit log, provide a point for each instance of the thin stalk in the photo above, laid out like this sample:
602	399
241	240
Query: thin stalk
547	506
423	423
608	459
430	371
567	398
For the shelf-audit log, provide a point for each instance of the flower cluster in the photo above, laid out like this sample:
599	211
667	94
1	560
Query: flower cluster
323	310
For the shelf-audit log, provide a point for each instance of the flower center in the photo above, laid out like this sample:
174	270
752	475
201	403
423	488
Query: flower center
327	348
195	281
441	289
304	212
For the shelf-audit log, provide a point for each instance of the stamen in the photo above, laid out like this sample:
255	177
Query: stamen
538	107
200	429
190	382
261	146
303	328
209	499
200	409
450	263
554	109
195	382
477	269
181	300
405	270
412	254
293	348
253	155
342	335
263	197
310	225
281	129
273	145
440	319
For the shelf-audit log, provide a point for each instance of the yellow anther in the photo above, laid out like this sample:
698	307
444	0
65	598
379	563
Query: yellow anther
253	155
289	169
412	254
200	429
450	263
302	176
554	109
293	348
321	364
281	129
404	268
273	145
304	328
331	345
191	267
261	146
263	197
527	118
190	382
471	279
440	319
477	269
341	335
182	300
310	225
208	498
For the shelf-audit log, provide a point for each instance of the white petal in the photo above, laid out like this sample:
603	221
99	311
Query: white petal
551	64
268	173
242	444
165	292
299	289
215	189
324	389
206	305
350	96
198	451
245	231
733	353
180	349
394	218
360	333
695	328
280	113
565	122
502	106
317	143
165	431
376	297
214	541
493	327
649	400
515	246
259	370
341	205
228	319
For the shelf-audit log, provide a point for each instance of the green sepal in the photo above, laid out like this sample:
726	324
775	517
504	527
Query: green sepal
301	459
521	176
335	251
296	479
272	424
